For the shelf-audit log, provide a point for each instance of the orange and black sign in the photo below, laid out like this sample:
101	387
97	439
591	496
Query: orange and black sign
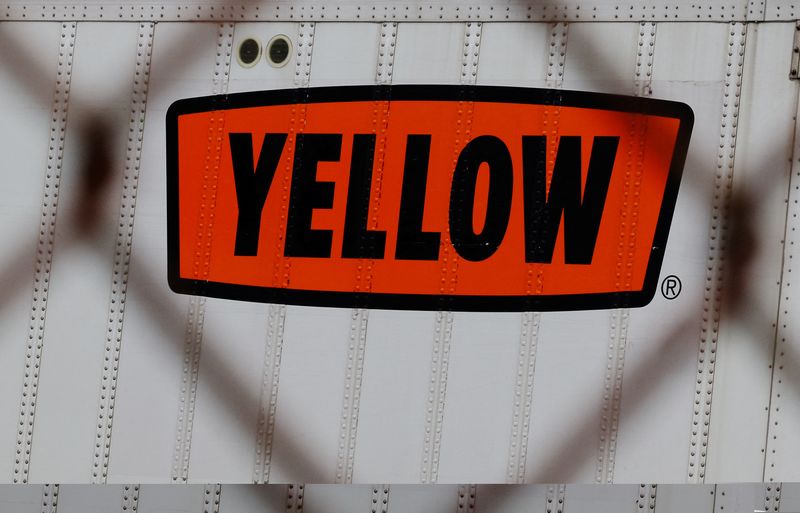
423	197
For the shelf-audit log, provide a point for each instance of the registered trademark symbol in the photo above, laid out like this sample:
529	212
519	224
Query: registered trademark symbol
671	287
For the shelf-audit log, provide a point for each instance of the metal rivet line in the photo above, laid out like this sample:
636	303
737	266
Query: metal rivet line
44	254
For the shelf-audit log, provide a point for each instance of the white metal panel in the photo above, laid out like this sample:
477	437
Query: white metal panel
661	360
744	497
21	498
395	385
601	498
337	499
511	499
72	358
747	332
172	499
252	498
411	499
513	54
309	398
685	499
89	499
483	370
153	333
789	496
601	57
567	389
428	53
345	53
24	133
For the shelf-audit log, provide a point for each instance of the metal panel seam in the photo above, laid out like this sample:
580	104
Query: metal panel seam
620	319
130	498
529	334
122	255
740	10
196	311
50	498
555	498
443	324
646	501
359	319
772	497
712	300
44	254
348	427
782	332
380	499
466	498
277	313
294	498
211	498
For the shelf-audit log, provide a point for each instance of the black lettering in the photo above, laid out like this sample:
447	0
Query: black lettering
480	246
359	242
252	186
307	194
582	216
412	242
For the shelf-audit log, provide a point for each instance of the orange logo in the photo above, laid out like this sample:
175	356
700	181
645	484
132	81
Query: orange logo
423	197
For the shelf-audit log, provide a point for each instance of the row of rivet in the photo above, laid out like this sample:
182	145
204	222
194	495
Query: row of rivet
359	316
785	344
554	498
712	299
620	318
380	499
294	498
130	498
50	498
467	494
211	498
529	333
585	10
196	311
523	398
268	401
646	500
276	318
122	254
354	371
386	53
443	322
772	497
44	254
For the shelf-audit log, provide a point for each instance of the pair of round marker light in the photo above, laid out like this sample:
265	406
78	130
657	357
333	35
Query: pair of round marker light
277	51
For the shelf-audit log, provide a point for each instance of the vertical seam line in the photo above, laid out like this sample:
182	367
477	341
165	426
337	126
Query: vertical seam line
196	311
712	300
122	254
44	253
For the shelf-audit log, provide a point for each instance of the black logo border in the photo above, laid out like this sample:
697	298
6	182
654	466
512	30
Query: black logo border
522	95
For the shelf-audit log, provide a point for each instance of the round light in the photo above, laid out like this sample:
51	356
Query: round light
278	51
249	52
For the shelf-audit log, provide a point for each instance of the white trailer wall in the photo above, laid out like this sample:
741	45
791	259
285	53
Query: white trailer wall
130	382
